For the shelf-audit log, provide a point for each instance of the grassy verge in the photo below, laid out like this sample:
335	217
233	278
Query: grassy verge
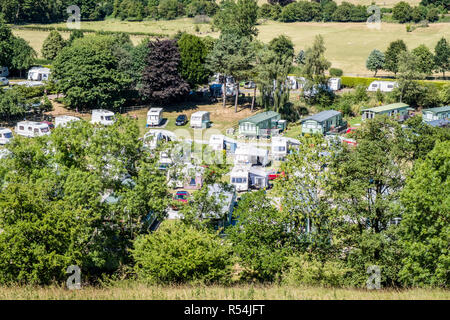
135	291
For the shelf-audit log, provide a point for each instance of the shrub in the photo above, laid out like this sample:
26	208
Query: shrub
304	270
335	72
177	253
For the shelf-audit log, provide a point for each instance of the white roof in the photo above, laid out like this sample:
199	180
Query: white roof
5	130
39	69
245	149
154	110
67	117
102	111
380	82
199	113
32	123
154	132
258	171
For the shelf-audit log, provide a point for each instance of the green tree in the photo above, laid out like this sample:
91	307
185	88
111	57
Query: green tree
237	17
12	104
425	227
6	46
375	61
75	34
315	62
178	253
391	55
402	12
442	56
23	55
426	59
193	57
52	45
88	74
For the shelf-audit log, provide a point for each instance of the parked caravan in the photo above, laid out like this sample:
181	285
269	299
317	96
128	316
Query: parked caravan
280	147
200	119
39	74
63	121
32	129
4	81
258	178
383	86
154	117
334	84
102	116
4	71
153	137
295	83
5	135
248	154
219	142
239	177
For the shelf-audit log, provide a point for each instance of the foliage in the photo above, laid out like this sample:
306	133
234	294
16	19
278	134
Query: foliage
425	227
442	56
12	104
335	72
391	55
315	62
161	80
52	45
375	61
237	17
6	47
88	74
178	253
426	59
402	12
193	57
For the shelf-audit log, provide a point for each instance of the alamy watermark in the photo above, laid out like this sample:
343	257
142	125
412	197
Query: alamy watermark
374	21
74	21
74	280
374	280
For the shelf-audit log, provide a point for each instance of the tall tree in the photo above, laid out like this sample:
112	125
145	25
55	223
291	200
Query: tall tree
161	79
52	45
6	47
23	55
426	59
442	56
375	61
238	17
193	57
391	55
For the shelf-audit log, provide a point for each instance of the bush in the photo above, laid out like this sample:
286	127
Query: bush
335	72
304	270
177	253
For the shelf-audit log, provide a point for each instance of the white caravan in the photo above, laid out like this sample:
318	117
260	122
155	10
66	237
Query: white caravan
258	178
280	147
153	137
200	119
334	84
4	71
239	177
154	117
383	86
248	154
102	116
32	129
63	121
39	74
5	135
219	142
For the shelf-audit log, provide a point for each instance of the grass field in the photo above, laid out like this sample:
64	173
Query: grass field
134	291
348	44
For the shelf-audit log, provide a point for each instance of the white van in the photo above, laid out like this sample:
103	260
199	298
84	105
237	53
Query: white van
334	84
383	86
102	116
5	135
154	117
62	121
32	129
38	74
200	119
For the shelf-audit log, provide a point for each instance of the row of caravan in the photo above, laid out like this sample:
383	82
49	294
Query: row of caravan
199	119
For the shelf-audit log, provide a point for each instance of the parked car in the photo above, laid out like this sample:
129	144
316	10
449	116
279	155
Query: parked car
4	81
182	197
50	124
275	175
181	120
350	130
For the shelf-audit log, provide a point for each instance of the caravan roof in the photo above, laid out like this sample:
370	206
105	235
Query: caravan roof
199	113
154	111
322	116
104	111
245	149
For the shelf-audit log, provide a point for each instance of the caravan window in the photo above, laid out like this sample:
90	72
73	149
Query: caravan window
21	128
109	118
44	130
30	129
192	182
102	118
390	86
280	148
238	180
36	130
374	85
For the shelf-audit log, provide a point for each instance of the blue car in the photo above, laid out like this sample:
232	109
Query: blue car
181	120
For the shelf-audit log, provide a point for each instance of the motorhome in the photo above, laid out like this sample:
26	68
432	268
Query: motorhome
383	86
219	142
280	147
334	84
153	137
154	117
32	129
5	135
248	154
102	116
200	119
4	71
39	74
63	121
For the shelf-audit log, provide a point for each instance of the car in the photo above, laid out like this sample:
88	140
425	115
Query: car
4	81
275	175
180	196
181	120
50	124
351	129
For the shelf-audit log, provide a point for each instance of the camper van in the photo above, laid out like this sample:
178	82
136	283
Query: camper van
383	86
102	116
280	147
334	84
5	135
154	117
62	121
39	74
219	142
248	154
153	137
200	119
4	71
32	129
